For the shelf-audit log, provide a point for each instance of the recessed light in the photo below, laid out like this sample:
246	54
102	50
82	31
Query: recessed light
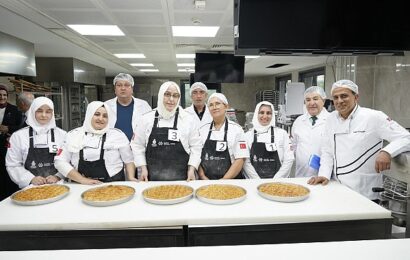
252	56
142	64
186	64
194	31
149	70
103	30
185	56
186	70
130	55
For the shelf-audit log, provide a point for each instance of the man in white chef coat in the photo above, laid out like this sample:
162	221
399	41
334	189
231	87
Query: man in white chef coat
308	130
353	145
198	109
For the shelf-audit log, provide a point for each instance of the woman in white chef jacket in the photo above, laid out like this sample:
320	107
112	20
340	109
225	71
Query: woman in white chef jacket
270	153
30	156
94	152
224	146
166	144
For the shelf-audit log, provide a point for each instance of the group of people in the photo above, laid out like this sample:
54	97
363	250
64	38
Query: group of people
171	143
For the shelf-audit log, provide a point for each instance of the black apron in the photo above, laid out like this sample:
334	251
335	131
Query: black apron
266	163
39	161
216	163
167	160
96	169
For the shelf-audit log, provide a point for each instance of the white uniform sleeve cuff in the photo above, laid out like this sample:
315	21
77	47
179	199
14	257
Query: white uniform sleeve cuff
63	167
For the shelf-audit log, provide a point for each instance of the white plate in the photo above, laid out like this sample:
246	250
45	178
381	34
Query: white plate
40	202
221	202
282	198
168	201
107	202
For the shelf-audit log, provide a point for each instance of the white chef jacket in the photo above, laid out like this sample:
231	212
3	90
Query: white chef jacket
187	129
352	145
282	143
235	138
306	141
115	154
18	151
206	118
140	107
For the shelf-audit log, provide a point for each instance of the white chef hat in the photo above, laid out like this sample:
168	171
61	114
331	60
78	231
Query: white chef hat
345	83
199	85
124	76
219	96
315	89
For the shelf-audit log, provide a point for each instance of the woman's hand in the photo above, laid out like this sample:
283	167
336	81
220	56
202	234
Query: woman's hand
52	179
88	181
191	173
38	180
144	173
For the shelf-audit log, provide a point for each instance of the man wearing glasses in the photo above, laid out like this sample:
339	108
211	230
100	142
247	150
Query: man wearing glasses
128	109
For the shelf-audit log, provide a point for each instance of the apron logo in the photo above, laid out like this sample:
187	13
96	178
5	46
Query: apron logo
160	143
40	165
33	165
255	158
206	157
154	143
242	146
260	159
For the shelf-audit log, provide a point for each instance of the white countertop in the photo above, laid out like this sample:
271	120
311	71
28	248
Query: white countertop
333	202
392	249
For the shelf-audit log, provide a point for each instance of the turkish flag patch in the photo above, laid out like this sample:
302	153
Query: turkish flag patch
242	145
59	151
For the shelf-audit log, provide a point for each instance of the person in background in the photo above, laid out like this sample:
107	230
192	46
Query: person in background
224	148
198	109
307	132
270	153
166	143
10	119
30	156
94	152
23	103
128	109
353	146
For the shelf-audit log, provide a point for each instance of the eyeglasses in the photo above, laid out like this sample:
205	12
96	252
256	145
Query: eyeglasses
215	105
125	85
169	95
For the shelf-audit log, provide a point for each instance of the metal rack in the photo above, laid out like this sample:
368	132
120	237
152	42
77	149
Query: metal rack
268	95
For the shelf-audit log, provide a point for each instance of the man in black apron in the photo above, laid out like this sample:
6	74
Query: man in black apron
167	159
216	161
96	169
264	157
40	161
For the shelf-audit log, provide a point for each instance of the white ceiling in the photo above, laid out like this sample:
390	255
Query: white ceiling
147	27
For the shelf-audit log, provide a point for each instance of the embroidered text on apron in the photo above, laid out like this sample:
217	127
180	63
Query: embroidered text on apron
167	160
39	161
216	163
266	163
96	169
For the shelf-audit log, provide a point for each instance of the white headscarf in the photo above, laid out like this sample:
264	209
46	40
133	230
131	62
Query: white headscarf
162	111
256	125
31	115
76	138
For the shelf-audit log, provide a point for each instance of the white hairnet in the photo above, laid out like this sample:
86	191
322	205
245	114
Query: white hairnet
315	89
161	108
255	121
197	85
31	115
345	83
124	76
219	96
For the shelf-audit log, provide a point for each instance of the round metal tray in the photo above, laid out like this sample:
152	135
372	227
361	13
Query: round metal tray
40	202
282	198
221	201
168	201
106	203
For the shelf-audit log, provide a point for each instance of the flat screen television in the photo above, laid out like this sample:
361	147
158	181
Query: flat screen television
321	26
219	68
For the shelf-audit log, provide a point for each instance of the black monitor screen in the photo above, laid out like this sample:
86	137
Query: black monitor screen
219	68
333	25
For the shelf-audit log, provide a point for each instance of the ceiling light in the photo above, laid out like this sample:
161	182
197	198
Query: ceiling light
130	55
251	56
106	30
142	64
194	31
186	64
185	56
186	70
149	70
200	4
